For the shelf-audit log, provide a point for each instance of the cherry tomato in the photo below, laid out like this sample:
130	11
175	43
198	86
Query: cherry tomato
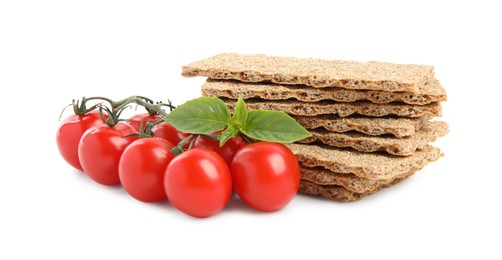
227	151
142	167
265	175
198	182
162	130
69	133
166	131
100	149
135	121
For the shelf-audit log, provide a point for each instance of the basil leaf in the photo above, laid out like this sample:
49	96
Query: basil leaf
273	126
238	120
203	115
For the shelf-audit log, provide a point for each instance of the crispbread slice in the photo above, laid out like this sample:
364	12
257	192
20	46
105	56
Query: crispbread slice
339	193
333	192
235	89
321	176
365	108
318	73
374	166
399	127
396	146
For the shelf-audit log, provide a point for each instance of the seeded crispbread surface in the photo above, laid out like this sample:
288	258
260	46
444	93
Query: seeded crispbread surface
374	166
365	108
235	89
396	146
319	73
321	176
399	127
339	193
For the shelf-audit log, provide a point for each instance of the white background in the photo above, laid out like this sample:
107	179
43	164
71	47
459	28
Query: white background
54	51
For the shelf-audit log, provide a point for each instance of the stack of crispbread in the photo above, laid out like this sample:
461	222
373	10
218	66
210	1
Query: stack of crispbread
370	121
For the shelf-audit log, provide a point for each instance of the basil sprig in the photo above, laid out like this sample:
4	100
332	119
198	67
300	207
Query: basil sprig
207	115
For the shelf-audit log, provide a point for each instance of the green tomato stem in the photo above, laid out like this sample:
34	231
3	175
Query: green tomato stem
140	100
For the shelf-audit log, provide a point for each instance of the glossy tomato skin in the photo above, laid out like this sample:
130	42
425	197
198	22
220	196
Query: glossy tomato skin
168	132
227	151
100	149
198	182
135	121
265	175
69	133
142	167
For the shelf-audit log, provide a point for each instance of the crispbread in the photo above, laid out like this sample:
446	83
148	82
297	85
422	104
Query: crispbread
333	192
374	166
399	127
396	146
365	108
339	193
319	73
321	176
235	89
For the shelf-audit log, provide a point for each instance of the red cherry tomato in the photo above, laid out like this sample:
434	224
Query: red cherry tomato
69	133
142	168
166	131
100	149
198	182
265	175
227	151
135	121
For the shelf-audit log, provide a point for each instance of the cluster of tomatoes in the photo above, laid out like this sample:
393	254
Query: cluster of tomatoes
197	179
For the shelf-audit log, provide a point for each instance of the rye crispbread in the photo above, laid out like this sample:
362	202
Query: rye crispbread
374	166
396	146
339	193
365	108
319	73
235	89
398	126
321	176
332	192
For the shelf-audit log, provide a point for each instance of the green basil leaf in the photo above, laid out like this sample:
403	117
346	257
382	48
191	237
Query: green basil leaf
273	126
238	120
230	132
203	115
